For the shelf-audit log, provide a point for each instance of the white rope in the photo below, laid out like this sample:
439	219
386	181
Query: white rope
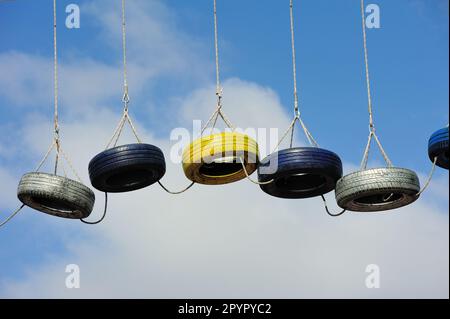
366	61
55	87
133	128
248	176
294	65
372	133
285	133
297	116
430	176
216	47
56	140
383	152
219	91
124	55
290	128
308	134
71	165
116	131
45	156
205	126
120	130
126	98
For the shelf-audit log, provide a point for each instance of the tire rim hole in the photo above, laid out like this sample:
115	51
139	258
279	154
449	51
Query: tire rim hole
224	166
54	205
379	199
129	178
302	182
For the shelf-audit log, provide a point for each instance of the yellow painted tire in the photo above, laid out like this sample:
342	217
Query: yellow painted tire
215	159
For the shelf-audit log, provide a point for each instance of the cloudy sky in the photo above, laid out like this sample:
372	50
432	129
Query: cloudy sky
232	240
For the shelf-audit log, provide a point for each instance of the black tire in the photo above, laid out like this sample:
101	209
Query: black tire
126	168
56	195
377	189
321	170
438	147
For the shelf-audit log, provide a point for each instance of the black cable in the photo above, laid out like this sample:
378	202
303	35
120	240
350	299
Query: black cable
104	213
328	212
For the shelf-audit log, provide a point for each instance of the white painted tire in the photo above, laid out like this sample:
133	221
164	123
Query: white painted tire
56	195
377	189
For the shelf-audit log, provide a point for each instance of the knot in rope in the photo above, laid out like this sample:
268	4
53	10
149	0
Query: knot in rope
126	100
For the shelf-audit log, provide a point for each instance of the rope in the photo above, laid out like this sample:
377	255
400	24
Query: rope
122	124
71	165
286	132
12	215
430	176
56	143
248	176
219	91
45	156
125	98
366	61
124	55
55	84
178	192
103	216
290	128
328	211
372	133
56	139
216	47
133	128
297	116
294	65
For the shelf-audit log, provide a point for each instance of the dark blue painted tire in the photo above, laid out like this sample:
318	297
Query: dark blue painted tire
300	172
126	168
438	147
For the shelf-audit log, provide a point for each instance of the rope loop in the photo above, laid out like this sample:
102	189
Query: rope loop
126	99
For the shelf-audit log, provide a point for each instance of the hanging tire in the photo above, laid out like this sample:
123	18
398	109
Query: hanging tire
56	195
300	172
126	168
438	148
215	159
377	189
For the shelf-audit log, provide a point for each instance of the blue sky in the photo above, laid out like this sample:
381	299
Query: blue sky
408	59
409	73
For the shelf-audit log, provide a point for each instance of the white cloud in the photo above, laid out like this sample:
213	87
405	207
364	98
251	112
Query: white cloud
25	84
222	241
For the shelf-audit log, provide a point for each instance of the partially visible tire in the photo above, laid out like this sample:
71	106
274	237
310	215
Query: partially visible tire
126	168
438	148
215	159
56	195
300	172
377	189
